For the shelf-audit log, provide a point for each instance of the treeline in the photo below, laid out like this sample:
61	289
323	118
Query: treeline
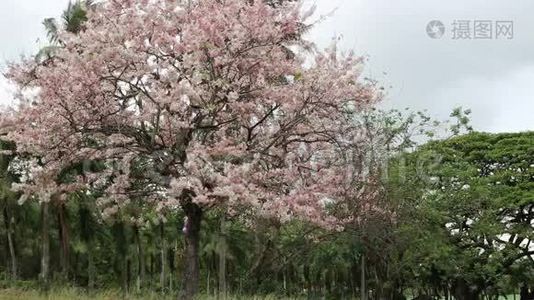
425	209
85	251
460	227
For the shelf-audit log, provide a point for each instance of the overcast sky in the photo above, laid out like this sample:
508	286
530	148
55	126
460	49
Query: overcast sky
493	77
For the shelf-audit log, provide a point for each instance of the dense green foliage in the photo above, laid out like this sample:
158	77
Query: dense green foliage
463	209
458	222
475	205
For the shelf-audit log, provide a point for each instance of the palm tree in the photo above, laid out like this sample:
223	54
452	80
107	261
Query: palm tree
72	20
89	230
7	205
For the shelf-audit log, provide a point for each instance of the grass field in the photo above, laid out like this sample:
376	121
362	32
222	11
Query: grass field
77	294
68	294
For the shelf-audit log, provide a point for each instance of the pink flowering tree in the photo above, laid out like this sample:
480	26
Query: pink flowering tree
192	105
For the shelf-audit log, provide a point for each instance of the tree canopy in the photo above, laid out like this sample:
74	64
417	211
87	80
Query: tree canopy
209	141
190	105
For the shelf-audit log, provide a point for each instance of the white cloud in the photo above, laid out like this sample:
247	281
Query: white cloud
503	103
21	25
493	77
6	92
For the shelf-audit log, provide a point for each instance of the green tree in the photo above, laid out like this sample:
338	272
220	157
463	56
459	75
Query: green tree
476	207
72	21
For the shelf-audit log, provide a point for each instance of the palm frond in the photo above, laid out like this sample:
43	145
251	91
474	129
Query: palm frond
46	53
52	30
75	15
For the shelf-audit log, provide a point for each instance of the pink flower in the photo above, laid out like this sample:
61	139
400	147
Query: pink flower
201	101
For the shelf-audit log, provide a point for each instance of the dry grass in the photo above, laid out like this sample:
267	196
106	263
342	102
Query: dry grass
73	294
77	294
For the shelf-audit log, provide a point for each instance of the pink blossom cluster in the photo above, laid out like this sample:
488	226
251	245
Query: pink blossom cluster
202	101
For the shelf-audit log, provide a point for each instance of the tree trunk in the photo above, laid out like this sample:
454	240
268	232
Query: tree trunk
163	254
45	245
124	275
9	221
140	259
122	257
64	238
463	291
524	292
152	269
172	265
222	260
88	236
128	273
90	267
208	282
191	230
363	293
